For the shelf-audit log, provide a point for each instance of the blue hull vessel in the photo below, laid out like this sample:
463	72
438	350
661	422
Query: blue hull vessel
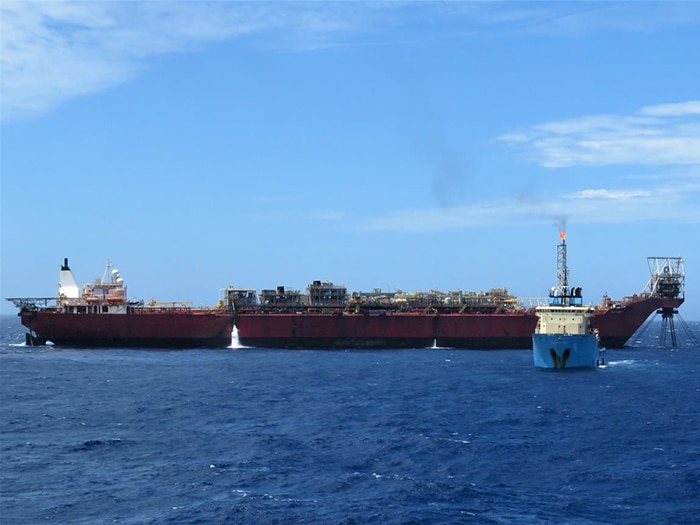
563	336
566	350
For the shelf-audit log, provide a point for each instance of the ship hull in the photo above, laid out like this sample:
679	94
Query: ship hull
617	325
469	330
565	350
335	330
152	329
388	330
485	331
212	328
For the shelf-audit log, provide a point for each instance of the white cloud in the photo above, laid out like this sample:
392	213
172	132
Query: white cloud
661	135
665	134
679	109
611	194
328	215
54	51
666	198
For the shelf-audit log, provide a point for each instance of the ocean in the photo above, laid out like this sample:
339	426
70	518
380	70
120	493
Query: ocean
423	436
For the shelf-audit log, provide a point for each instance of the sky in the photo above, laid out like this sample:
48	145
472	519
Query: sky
393	145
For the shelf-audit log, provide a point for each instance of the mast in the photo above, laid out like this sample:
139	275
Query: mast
562	271
107	275
561	294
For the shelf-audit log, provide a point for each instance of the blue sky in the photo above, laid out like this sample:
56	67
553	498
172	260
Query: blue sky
378	145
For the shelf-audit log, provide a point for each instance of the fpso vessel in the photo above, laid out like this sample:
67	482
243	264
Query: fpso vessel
326	316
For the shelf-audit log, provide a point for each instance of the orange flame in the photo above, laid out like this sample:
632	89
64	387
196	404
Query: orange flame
562	235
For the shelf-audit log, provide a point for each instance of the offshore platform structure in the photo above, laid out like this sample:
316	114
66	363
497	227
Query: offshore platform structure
667	280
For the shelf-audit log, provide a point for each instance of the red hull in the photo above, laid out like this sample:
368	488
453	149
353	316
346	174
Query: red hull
140	328
210	328
616	325
389	330
419	330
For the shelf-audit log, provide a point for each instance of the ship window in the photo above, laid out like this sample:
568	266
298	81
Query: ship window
82	309
105	309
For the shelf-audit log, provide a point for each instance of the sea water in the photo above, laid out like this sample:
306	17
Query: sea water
428	436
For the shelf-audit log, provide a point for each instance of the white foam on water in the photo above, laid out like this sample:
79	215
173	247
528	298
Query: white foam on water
235	342
25	345
623	363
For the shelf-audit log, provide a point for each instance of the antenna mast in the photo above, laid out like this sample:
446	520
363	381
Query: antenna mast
107	276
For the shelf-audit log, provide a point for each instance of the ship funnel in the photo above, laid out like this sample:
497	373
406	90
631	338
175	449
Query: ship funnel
67	287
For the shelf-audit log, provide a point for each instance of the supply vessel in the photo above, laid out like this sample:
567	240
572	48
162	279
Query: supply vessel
326	316
564	337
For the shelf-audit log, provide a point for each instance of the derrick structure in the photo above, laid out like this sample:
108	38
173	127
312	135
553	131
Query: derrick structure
562	270
667	277
561	294
668	281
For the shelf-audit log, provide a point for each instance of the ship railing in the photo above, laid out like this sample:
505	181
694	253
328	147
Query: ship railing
33	303
535	302
532	302
168	307
635	298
